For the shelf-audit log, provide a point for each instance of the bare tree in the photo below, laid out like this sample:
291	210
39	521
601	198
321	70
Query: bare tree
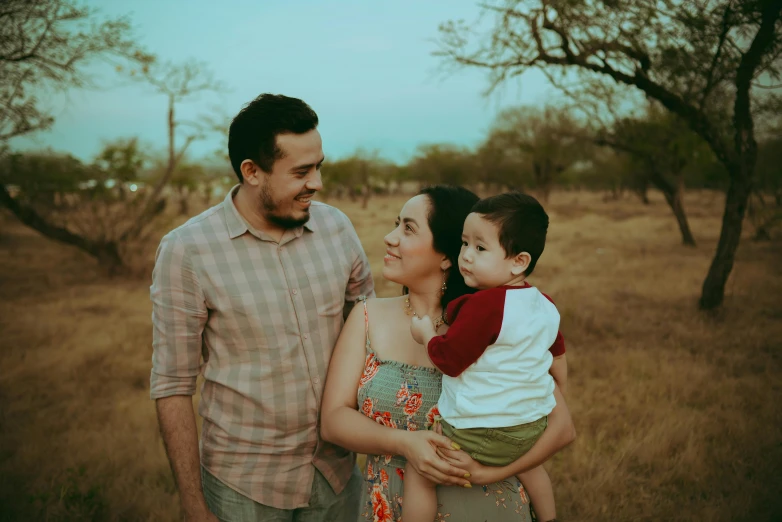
179	83
45	44
690	56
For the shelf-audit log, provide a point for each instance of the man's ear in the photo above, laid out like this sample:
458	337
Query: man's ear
520	263
251	172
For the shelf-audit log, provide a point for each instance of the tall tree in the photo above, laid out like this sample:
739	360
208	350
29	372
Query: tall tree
178	83
45	45
539	141
662	147
691	56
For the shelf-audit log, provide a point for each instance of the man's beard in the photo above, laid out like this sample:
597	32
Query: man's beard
270	207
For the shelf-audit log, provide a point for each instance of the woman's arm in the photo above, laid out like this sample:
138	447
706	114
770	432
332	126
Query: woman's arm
344	425
559	433
559	372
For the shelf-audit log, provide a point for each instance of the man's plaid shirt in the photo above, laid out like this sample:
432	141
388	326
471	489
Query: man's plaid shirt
265	317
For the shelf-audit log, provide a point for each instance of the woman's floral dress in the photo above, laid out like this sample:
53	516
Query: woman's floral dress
404	397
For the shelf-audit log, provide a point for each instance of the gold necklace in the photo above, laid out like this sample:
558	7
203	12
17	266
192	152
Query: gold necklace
438	322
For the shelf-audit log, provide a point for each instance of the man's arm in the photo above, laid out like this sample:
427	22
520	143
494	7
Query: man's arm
360	281
178	317
176	417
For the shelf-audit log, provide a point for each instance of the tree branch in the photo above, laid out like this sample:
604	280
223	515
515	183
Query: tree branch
32	219
742	116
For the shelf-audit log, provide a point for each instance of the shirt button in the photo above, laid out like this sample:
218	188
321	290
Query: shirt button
295	292
306	337
316	380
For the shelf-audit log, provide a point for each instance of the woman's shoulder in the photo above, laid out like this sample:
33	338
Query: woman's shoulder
378	306
383	305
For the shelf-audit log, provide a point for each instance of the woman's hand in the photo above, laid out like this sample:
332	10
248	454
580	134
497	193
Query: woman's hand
479	474
558	434
421	451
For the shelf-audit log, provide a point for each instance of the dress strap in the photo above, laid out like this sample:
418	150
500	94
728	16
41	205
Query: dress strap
366	323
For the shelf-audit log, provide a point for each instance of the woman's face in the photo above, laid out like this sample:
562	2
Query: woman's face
410	258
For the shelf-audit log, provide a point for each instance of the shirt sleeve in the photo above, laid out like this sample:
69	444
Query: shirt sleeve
558	348
179	314
477	322
360	281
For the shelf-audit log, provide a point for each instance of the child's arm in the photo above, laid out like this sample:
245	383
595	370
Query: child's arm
475	327
559	372
422	329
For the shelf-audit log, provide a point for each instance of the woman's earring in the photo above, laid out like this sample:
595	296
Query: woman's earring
444	287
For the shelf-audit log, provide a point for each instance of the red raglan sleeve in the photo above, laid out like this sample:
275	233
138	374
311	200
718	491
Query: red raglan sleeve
476	321
558	348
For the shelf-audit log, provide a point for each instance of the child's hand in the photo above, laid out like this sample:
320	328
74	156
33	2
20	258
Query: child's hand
437	427
422	329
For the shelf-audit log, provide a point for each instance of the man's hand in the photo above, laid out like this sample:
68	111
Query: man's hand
422	329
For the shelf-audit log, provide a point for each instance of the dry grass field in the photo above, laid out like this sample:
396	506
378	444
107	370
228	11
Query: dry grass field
678	413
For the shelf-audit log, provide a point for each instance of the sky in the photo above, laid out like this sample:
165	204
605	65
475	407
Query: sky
366	67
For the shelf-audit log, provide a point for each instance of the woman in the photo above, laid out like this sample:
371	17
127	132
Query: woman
380	378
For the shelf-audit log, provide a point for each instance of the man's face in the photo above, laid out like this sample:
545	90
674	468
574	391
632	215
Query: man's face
286	192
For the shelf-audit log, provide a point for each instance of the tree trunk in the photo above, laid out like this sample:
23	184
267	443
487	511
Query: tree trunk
674	199
106	252
365	199
742	169
674	194
184	206
171	130
735	208
366	188
109	258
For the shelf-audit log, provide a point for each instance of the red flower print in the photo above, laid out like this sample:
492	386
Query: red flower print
401	473
384	478
387	458
380	508
411	426
430	416
370	472
371	366
384	418
402	394
413	404
523	495
366	407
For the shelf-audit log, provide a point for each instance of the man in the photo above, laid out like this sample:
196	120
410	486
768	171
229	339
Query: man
258	286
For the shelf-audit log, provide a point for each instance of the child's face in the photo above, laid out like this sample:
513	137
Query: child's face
482	260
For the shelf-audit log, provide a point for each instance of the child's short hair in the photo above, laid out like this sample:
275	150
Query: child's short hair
522	223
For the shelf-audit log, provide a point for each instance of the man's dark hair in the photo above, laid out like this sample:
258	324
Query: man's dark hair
253	132
522	224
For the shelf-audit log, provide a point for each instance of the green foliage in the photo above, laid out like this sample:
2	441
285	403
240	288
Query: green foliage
530	147
443	163
361	173
122	160
39	176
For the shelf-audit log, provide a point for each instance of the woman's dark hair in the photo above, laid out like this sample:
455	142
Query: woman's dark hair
449	206
253	132
521	221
